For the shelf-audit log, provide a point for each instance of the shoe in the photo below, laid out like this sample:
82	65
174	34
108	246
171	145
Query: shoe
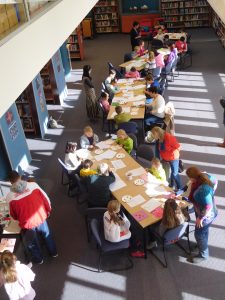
138	253
152	245
221	145
56	255
196	259
30	265
40	263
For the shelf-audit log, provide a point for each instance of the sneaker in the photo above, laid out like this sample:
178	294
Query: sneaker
138	253
55	255
196	259
152	245
41	262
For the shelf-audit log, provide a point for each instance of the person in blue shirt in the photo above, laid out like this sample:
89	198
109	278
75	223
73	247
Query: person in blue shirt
151	82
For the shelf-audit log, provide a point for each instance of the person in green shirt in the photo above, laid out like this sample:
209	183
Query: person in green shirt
124	140
121	116
157	169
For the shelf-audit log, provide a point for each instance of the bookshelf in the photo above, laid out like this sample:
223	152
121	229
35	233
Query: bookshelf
27	111
49	84
180	13
106	16
219	27
75	44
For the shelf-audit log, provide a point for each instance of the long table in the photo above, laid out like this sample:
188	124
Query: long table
139	63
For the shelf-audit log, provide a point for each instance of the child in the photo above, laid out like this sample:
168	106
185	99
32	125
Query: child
86	170
88	139
142	50
133	73
17	277
124	140
150	63
135	54
116	224
151	82
160	34
121	116
181	45
157	170
104	100
72	161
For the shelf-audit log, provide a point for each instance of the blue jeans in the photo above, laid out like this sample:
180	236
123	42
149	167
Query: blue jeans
201	236
31	237
175	177
151	119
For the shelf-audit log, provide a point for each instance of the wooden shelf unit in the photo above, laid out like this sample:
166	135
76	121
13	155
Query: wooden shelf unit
106	16
75	44
28	112
181	13
49	84
219	27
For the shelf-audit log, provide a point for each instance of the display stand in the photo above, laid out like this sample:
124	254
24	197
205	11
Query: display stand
75	44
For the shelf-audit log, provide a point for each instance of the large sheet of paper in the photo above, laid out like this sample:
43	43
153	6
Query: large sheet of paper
151	205
109	154
102	145
136	201
118	164
113	114
118	184
153	190
123	80
138	171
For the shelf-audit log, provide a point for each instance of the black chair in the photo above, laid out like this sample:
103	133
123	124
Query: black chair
171	236
186	60
156	44
106	247
104	115
93	213
127	57
67	178
144	154
135	144
118	73
129	127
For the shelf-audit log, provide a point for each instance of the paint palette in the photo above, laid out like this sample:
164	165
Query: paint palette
126	198
98	151
120	155
139	181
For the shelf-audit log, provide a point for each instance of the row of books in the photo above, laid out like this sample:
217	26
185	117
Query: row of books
107	29
73	47
106	16
72	39
108	9
107	23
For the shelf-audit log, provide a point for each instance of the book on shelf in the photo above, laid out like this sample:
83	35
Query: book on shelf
27	123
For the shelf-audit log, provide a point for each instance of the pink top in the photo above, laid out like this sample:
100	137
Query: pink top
106	105
130	74
159	59
181	46
141	51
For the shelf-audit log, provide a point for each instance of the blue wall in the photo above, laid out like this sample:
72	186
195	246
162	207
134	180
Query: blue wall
59	75
65	59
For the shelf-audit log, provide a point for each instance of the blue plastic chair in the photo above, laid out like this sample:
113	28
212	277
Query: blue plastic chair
129	127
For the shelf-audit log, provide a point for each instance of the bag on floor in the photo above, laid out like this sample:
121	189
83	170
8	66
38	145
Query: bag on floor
222	102
181	166
52	123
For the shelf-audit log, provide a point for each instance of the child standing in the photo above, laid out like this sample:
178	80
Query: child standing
124	140
86	170
133	73
116	224
157	169
17	277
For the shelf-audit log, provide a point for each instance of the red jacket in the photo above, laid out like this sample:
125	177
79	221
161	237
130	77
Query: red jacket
30	207
170	148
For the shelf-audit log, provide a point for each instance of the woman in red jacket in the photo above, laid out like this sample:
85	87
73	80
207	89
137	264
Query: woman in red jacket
169	150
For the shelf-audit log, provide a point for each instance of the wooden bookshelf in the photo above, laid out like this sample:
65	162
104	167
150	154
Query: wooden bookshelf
106	16
49	84
180	13
75	44
219	27
27	111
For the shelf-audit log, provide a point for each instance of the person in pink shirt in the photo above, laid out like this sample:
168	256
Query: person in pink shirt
104	100
133	73
181	45
142	51
159	59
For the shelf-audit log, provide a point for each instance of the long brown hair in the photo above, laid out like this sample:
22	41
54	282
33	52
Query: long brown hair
172	214
202	178
113	206
8	261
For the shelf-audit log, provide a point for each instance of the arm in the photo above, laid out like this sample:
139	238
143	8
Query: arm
84	143
111	177
128	145
88	82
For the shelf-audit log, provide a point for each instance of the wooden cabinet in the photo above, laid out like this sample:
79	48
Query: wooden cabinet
87	28
180	13
49	84
75	44
219	27
106	16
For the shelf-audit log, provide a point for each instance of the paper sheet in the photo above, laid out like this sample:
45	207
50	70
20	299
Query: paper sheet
117	99
102	145
138	171
109	142
109	154
118	164
151	205
158	212
118	184
136	201
113	114
153	190
139	103
122	80
84	154
139	97
140	215
126	109
138	87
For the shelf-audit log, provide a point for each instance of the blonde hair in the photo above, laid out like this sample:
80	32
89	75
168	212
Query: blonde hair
151	56
8	261
113	207
159	132
88	129
155	161
202	178
136	48
122	132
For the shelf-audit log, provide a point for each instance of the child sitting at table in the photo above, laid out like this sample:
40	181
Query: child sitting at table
142	51
104	100
181	45
116	224
157	169
86	168
150	63
124	140
151	82
133	73
121	116
135	54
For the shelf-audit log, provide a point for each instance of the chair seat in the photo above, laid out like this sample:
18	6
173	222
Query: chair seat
109	246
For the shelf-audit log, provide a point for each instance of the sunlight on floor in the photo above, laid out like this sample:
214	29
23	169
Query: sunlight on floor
196	123
202	149
184	89
185	82
194	106
189	99
35	144
201	163
199	138
198	114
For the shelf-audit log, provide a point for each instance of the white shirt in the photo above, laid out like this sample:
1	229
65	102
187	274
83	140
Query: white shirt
158	106
21	289
72	161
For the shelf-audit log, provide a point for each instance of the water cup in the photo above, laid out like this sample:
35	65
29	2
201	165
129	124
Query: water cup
129	176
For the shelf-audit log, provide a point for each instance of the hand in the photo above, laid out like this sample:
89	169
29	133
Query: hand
198	223
91	147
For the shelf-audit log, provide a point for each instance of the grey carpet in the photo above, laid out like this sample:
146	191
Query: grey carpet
195	94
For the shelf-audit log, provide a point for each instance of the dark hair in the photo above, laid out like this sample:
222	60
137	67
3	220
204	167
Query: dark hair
87	163
153	89
133	69
112	71
70	147
140	42
118	109
13	176
135	23
104	94
86	71
182	39
149	77
166	36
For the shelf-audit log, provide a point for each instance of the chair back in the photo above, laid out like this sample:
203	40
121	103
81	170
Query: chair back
63	165
156	44
145	151
156	72
95	229
110	65
129	127
171	236
127	57
134	138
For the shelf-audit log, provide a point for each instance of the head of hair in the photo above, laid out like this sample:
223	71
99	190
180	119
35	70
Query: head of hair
71	147
87	164
158	133
118	109
8	261
103	169
195	173
171	214
133	69
182	39
153	89
136	48
166	37
88	129
86	71
14	176
104	94
122	132
135	23
149	77
151	56
155	161
140	42
113	208
112	72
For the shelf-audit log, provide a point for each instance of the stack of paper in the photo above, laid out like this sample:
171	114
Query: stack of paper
102	145
151	205
118	164
118	184
153	190
109	154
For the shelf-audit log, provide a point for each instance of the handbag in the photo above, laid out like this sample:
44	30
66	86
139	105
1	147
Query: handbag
222	102
181	166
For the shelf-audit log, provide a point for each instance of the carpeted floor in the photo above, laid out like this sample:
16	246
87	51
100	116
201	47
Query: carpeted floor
195	94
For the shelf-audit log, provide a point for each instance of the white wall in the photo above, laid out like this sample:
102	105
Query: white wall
23	55
219	7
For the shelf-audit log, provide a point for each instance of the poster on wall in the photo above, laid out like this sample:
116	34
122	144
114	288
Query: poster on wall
14	139
59	75
39	97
